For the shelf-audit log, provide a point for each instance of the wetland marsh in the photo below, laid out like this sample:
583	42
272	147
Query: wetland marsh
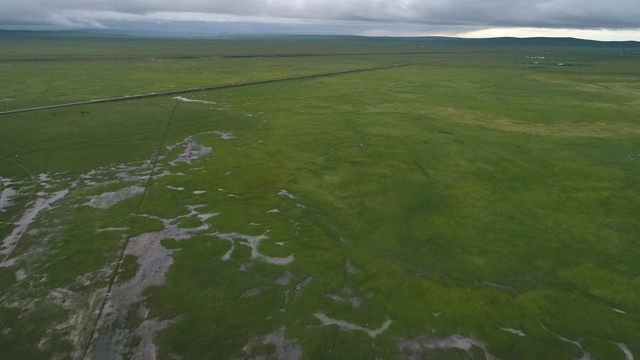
471	204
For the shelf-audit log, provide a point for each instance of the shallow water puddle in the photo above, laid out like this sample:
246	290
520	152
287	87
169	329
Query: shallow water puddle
417	348
43	203
6	198
186	100
254	243
513	331
154	261
193	151
284	349
108	199
347	326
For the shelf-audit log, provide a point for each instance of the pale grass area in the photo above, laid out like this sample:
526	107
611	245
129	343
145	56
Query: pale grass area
628	88
575	129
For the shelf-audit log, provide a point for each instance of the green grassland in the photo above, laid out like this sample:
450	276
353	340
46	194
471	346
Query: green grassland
472	204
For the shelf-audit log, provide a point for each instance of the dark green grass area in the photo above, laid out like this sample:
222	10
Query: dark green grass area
508	207
473	195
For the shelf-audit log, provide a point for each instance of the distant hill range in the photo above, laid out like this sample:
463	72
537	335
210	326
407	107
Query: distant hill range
431	40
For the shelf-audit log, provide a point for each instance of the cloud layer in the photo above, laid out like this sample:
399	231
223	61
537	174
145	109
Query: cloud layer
567	14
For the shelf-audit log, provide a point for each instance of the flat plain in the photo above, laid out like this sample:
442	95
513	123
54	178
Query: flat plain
469	199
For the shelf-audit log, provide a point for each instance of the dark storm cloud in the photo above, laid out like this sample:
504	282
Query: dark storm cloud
580	14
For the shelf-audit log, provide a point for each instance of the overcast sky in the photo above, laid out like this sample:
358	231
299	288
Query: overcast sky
596	19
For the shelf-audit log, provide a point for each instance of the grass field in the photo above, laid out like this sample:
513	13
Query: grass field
471	205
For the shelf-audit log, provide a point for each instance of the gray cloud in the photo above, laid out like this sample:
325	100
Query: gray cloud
578	14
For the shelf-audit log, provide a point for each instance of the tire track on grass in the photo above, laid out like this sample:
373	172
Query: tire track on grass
121	255
206	88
